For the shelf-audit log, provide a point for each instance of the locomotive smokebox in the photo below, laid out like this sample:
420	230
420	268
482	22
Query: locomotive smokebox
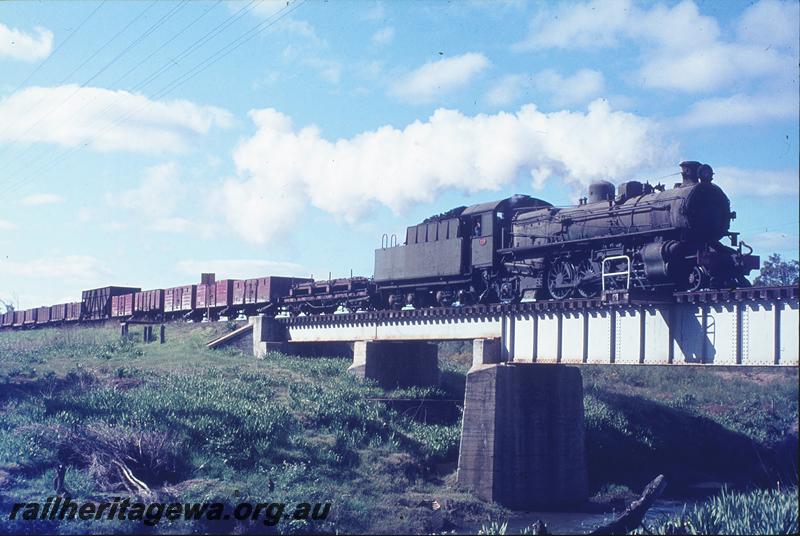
601	191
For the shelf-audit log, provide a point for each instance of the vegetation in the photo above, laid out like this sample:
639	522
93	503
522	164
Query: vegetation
777	272
199	425
771	511
642	421
756	512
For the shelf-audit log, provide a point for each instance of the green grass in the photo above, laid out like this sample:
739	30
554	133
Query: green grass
216	425
197	424
691	424
755	512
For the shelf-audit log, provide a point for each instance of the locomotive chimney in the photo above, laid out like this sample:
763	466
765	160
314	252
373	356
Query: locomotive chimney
601	191
689	172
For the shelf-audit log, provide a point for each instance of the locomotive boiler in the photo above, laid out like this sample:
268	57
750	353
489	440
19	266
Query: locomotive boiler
635	236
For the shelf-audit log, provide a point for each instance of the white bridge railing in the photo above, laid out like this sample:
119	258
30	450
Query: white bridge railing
746	332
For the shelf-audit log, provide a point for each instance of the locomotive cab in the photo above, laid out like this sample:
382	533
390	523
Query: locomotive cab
490	227
445	255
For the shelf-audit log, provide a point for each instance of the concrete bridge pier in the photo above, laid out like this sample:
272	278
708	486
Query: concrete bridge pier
396	364
522	439
269	335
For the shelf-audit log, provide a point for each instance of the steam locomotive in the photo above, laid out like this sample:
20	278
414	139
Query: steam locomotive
640	236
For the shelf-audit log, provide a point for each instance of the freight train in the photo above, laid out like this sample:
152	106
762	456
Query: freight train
636	236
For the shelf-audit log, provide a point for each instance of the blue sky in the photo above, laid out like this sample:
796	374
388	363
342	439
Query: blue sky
144	142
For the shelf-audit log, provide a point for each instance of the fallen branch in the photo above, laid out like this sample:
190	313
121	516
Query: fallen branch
634	514
133	484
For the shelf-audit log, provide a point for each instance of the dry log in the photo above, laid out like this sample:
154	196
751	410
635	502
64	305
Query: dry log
633	515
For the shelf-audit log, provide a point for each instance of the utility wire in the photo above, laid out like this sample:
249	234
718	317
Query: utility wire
87	60
164	68
174	37
203	65
60	45
119	55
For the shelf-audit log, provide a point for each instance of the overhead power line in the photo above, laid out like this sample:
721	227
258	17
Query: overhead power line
87	60
153	76
59	47
191	73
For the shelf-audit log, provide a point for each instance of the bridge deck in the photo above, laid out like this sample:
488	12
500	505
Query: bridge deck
757	326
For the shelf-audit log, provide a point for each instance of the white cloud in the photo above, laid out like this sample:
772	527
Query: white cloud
679	47
41	199
242	268
579	88
158	194
593	24
383	36
439	77
302	29
576	89
265	8
711	67
507	90
6	225
105	120
771	23
282	170
309	51
18	45
755	182
329	70
156	201
66	267
739	109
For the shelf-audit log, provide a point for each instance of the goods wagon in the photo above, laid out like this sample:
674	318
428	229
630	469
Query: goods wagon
7	319
122	305
58	312
30	316
206	296
149	301
180	299
238	292
42	315
96	303
73	311
224	294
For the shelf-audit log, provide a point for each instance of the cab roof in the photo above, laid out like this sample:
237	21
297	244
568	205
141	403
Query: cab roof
515	202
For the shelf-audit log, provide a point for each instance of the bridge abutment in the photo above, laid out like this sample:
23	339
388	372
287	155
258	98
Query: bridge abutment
269	335
522	439
396	364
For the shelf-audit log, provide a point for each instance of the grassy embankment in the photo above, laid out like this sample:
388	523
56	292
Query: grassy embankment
200	425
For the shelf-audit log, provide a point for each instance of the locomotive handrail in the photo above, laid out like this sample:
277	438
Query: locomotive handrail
626	273
384	241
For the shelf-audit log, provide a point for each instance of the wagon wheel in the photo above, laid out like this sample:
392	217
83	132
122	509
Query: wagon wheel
561	279
586	270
